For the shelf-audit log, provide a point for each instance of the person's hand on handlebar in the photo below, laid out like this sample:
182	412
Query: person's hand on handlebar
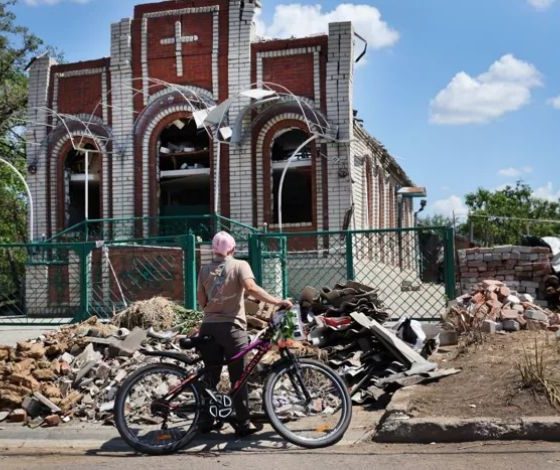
284	304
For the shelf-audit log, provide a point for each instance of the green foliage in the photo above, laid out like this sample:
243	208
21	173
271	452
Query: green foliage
287	328
503	216
17	47
436	220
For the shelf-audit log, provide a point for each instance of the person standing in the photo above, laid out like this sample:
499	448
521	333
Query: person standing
222	285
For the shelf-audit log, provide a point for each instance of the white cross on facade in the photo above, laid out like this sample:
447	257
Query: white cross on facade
179	40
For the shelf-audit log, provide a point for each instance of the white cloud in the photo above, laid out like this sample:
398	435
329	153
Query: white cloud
541	4
555	102
35	3
547	192
453	205
515	172
297	20
504	88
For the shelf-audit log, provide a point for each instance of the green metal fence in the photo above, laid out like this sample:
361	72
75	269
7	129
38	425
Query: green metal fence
150	228
59	282
413	269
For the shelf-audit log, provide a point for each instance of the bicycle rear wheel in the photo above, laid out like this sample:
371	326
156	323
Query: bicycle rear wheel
307	403
149	422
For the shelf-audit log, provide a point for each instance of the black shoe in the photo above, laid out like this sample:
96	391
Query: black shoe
205	426
247	429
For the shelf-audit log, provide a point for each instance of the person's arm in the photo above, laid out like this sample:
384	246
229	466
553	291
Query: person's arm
200	293
259	293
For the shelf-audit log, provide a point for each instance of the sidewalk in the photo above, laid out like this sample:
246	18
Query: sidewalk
10	335
95	436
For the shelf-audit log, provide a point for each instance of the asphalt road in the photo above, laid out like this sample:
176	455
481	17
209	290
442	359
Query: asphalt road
470	456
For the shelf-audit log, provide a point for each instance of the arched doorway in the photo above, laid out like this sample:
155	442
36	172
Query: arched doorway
297	193
184	167
82	186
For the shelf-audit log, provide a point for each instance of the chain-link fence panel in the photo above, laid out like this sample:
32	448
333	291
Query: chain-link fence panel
413	269
121	274
41	283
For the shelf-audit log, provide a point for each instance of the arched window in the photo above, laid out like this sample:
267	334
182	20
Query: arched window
381	199
297	201
77	204
184	169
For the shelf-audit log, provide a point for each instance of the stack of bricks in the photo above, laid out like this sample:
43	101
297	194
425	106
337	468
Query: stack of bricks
521	268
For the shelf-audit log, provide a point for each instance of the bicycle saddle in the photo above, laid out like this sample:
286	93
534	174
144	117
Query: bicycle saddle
194	341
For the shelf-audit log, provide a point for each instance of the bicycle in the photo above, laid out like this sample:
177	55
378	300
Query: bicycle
306	402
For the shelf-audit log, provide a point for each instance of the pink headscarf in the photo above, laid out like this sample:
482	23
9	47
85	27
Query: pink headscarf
223	243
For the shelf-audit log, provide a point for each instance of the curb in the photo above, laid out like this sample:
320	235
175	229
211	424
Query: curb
108	439
396	426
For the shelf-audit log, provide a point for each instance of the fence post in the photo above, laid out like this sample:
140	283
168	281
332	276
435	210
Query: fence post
350	274
84	250
255	257
188	243
284	265
449	262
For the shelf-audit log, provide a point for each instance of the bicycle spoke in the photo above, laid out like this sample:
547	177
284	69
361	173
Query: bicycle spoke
152	417
310	405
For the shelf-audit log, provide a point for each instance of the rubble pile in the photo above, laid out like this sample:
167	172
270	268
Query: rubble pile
552	290
157	313
493	306
74	372
346	323
342	300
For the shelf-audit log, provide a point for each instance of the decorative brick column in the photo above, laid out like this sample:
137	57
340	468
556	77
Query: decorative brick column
239	79
123	121
340	70
39	76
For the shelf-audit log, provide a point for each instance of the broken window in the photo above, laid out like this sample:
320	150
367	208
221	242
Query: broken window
77	206
297	203
184	169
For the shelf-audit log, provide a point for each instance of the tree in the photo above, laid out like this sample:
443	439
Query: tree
503	216
436	220
17	47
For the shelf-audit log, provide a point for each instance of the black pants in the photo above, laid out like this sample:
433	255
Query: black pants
229	339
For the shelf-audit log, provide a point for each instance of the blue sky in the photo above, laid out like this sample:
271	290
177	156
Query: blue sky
461	92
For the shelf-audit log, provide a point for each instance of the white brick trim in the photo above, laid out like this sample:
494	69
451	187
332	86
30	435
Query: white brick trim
54	158
215	10
83	73
183	107
314	50
259	168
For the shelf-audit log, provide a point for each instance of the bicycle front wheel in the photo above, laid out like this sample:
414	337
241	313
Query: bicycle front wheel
307	403
147	419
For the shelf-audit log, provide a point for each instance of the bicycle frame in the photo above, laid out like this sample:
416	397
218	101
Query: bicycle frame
262	345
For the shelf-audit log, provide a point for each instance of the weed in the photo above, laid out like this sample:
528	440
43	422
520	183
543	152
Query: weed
536	375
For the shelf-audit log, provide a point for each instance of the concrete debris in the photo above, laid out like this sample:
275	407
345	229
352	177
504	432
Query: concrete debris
345	323
74	372
493	302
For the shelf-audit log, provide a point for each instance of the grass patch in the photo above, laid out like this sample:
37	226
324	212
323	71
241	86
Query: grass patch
537	370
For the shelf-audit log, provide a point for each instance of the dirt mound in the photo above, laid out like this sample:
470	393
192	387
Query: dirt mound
158	312
490	384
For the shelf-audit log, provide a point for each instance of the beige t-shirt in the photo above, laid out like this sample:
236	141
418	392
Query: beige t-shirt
222	283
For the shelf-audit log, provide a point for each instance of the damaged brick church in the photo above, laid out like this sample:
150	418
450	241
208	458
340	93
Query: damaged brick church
135	111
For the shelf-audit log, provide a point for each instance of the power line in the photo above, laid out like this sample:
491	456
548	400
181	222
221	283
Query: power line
519	219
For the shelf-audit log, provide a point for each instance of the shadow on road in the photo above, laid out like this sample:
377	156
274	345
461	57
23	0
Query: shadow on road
213	444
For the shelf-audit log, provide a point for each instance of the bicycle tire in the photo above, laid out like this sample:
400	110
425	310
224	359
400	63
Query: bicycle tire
125	430
287	368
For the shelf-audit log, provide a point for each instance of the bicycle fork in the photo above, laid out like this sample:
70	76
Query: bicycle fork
294	373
